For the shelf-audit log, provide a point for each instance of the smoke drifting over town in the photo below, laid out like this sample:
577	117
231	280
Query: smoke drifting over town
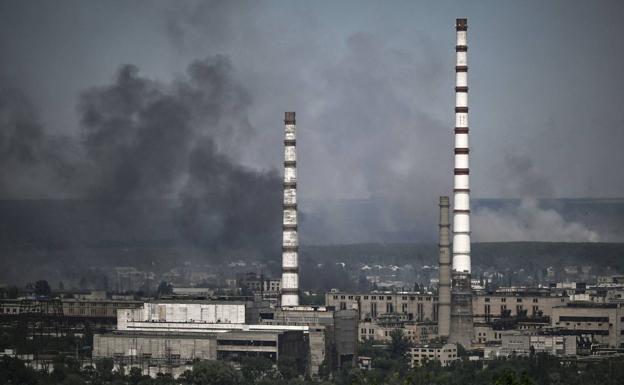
192	152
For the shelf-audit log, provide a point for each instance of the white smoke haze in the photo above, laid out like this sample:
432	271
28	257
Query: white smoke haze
528	222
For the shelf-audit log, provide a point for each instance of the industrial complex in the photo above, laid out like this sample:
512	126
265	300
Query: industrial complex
456	315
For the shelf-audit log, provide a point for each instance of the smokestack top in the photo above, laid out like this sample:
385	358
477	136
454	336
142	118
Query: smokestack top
289	118
444	201
461	24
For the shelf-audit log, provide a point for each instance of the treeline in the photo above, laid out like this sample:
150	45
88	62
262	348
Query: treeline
500	255
390	366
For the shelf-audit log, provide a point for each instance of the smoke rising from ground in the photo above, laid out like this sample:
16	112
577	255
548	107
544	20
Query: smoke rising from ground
528	222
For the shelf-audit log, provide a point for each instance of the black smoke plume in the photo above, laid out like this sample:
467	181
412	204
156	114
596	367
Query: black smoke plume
158	162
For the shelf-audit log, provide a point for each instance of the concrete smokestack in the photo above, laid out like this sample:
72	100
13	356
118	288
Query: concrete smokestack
290	239
462	329
444	255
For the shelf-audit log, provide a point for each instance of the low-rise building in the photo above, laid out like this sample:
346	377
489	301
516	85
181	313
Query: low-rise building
416	332
515	343
445	353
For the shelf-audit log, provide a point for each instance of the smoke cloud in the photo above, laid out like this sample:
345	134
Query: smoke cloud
528	222
150	141
157	158
30	164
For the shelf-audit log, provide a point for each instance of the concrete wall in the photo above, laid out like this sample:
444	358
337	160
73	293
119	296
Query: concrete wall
416	332
603	322
417	306
317	349
183	312
346	335
490	306
155	346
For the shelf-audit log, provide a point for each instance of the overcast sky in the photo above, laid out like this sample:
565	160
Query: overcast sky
372	83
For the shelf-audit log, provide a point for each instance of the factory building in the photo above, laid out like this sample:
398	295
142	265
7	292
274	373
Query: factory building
381	331
516	343
333	334
601	323
179	332
100	311
416	306
487	307
175	351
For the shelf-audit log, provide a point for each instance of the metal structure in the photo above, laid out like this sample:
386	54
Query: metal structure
444	260
290	239
461	330
40	325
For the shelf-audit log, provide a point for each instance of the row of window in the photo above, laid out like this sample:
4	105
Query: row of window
504	299
583	319
381	297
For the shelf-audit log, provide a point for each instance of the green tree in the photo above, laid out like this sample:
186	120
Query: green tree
510	377
42	288
256	369
74	379
13	371
135	375
10	292
215	373
104	368
287	366
164	288
399	344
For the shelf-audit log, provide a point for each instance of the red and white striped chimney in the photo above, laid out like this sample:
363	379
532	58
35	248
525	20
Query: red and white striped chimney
461	190
462	326
290	240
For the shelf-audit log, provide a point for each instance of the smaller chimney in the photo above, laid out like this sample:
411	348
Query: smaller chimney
444	260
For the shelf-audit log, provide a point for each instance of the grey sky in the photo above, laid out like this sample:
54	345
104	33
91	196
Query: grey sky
372	84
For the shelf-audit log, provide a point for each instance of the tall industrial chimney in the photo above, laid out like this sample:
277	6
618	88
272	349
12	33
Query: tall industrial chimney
290	240
462	329
444	285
